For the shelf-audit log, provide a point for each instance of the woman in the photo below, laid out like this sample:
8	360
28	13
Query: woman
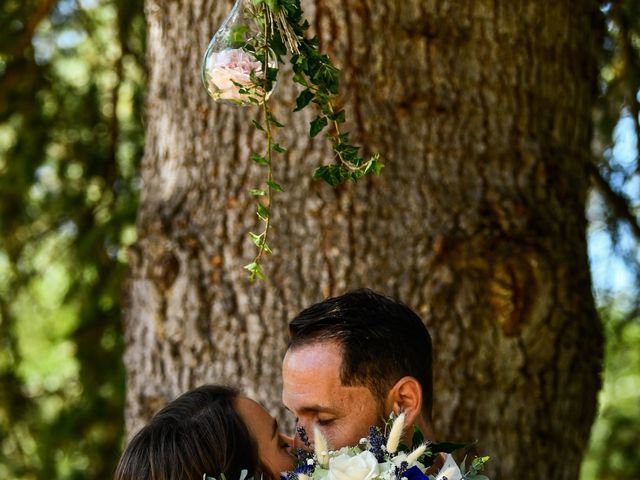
211	430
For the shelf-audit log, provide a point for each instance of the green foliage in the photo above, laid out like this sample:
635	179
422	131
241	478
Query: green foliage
614	453
278	28
70	141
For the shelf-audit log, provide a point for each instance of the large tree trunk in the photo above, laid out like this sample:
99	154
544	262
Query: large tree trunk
481	111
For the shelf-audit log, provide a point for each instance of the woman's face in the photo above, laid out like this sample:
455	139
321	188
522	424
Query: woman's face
273	446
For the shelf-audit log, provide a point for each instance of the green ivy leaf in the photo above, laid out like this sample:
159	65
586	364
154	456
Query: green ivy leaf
334	175
259	159
272	74
317	125
258	240
256	192
339	117
349	153
303	99
299	78
255	270
255	237
273	5
278	148
275	186
277	45
258	125
263	212
236	38
375	165
272	119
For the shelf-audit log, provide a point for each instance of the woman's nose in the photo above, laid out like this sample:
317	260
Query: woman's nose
297	443
290	441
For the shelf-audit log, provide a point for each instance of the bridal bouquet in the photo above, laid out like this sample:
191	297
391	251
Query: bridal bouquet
381	456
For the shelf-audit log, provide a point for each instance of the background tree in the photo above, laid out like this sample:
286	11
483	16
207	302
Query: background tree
482	114
66	215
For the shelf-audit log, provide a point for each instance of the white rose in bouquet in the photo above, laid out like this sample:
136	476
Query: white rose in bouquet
363	466
449	470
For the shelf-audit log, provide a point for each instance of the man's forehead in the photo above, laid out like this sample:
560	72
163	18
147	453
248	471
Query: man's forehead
311	386
323	359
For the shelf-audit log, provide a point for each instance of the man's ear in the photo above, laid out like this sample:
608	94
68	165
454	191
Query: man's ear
405	396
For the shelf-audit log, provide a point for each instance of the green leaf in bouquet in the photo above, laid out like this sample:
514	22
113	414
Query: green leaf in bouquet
477	465
446	447
417	438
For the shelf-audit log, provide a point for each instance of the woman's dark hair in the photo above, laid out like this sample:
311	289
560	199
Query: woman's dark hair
382	340
199	432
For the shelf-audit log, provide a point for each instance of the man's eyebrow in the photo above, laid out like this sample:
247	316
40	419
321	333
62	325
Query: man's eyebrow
317	408
312	409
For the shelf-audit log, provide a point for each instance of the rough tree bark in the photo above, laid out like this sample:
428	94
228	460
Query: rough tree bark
481	111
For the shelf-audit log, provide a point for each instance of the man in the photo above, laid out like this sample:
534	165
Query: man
354	359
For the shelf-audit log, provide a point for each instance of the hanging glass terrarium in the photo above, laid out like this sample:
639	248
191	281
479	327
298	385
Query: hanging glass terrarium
232	69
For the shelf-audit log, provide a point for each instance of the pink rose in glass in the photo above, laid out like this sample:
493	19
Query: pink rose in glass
229	66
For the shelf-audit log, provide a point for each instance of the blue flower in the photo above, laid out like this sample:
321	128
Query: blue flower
414	473
305	469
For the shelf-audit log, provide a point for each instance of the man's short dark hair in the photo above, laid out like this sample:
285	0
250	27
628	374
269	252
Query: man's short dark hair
382	339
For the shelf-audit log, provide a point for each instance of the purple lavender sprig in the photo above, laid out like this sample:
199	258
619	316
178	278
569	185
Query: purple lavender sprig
304	454
377	441
302	434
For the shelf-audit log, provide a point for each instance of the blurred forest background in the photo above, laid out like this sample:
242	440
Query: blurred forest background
72	81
